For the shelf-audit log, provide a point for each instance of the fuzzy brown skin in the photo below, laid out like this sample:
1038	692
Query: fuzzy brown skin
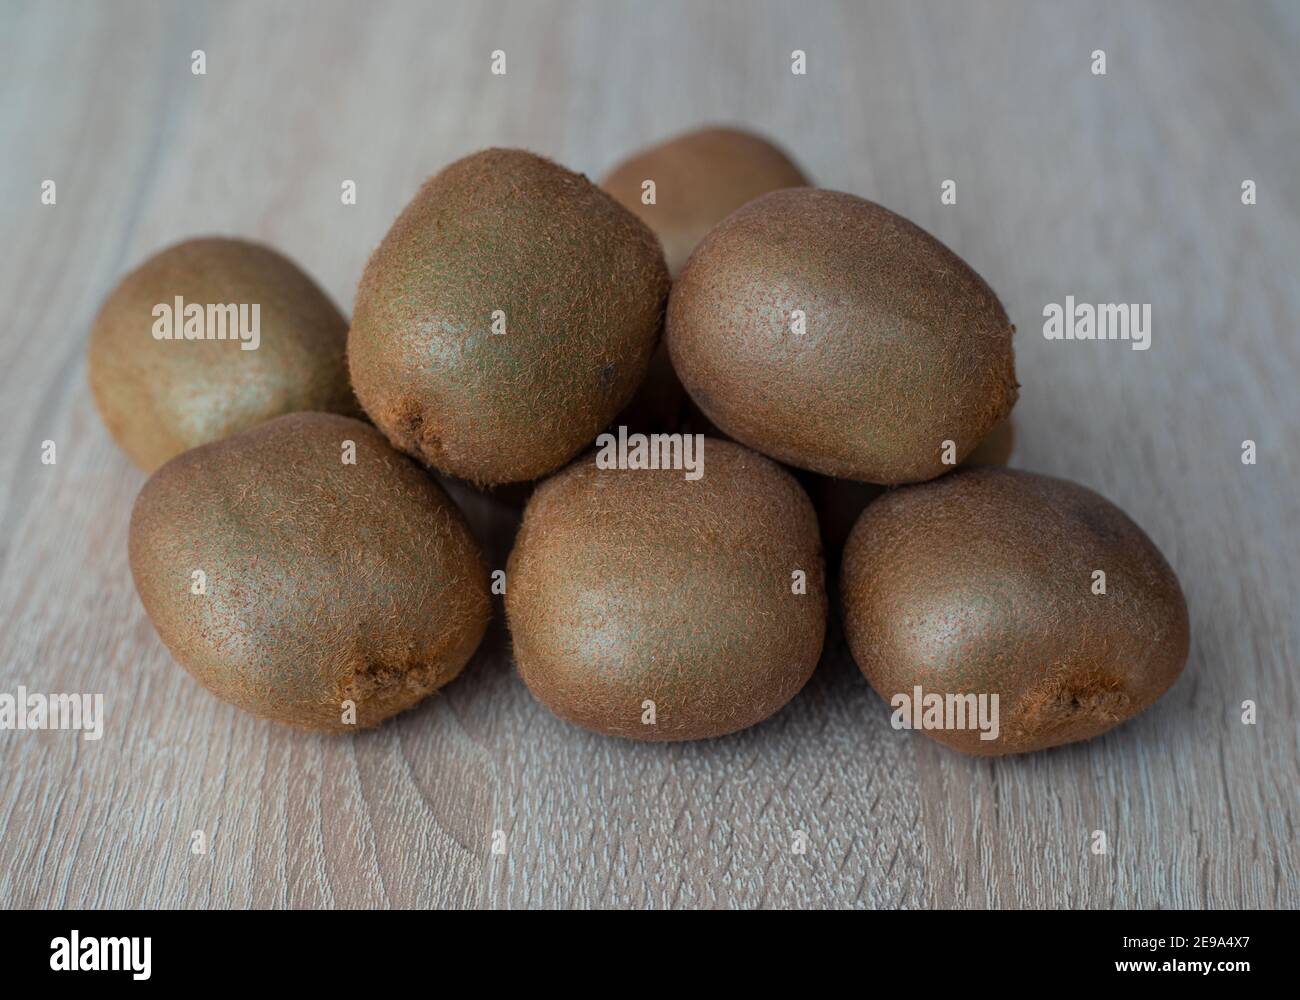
906	347
981	583
160	398
628	585
583	286
326	582
700	178
840	502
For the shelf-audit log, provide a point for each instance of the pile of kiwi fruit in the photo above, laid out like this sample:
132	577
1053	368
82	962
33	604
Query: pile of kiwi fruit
849	381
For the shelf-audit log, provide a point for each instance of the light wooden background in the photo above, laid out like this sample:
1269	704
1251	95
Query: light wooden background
1121	188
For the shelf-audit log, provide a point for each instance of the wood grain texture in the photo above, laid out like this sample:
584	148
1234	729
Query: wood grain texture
1122	188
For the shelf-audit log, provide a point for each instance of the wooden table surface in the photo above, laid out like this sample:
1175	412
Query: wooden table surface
1123	187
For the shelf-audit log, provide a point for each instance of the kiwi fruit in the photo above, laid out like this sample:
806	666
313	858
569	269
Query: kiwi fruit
984	582
160	396
638	591
305	564
840	502
699	178
830	333
508	315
